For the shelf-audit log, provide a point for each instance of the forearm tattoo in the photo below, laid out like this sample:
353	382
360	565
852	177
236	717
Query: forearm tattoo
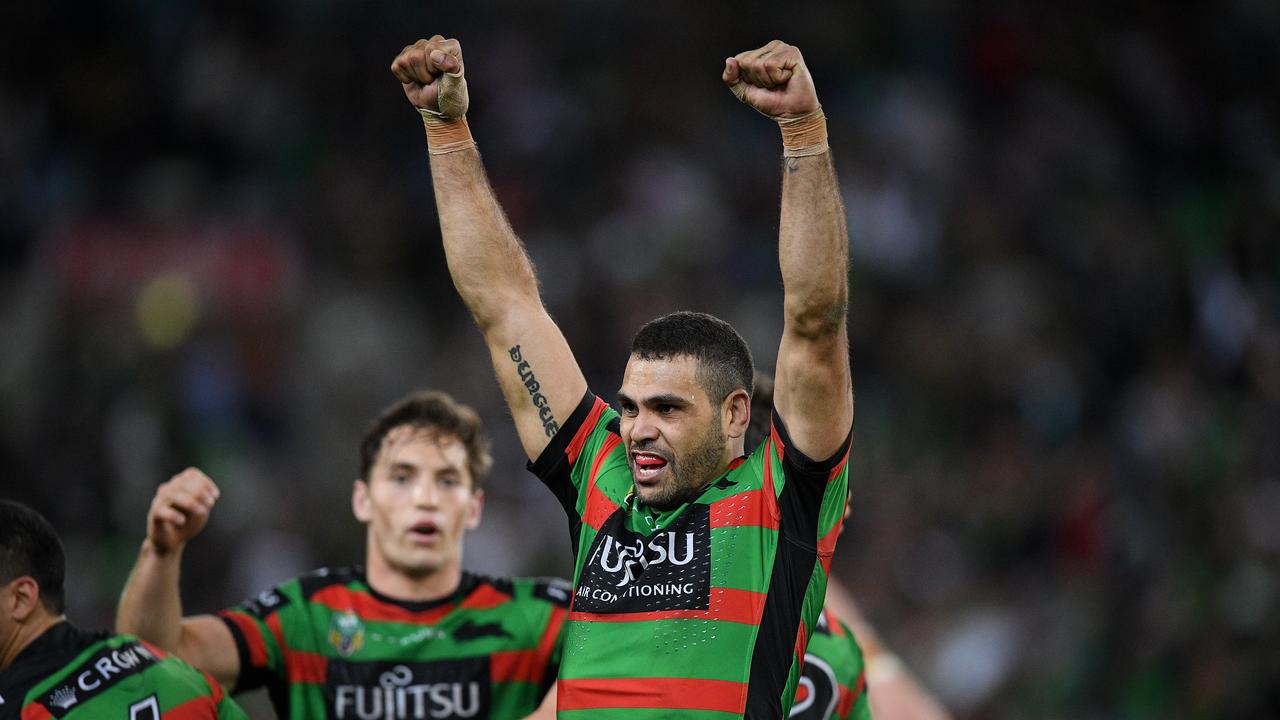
793	164
549	424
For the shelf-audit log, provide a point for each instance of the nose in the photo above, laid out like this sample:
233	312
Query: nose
425	493
643	427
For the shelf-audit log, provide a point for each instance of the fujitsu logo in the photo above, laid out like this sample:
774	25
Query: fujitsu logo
635	557
398	697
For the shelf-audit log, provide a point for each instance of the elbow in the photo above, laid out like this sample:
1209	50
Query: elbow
816	316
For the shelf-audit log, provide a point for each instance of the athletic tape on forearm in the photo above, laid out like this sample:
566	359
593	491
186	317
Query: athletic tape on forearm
805	135
446	135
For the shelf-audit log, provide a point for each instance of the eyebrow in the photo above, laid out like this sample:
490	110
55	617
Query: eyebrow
663	399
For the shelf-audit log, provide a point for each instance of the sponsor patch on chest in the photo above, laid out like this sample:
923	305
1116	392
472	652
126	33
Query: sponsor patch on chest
386	690
669	569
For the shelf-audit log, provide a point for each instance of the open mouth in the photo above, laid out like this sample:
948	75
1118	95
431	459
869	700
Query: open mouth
648	466
425	532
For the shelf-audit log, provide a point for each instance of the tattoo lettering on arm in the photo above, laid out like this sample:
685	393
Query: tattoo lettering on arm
549	424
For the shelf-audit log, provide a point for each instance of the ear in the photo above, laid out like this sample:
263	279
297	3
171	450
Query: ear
24	598
360	501
474	509
735	413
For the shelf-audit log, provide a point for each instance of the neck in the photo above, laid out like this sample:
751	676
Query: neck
25	634
395	583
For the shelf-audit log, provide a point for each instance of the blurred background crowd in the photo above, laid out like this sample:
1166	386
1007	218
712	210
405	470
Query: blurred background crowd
218	247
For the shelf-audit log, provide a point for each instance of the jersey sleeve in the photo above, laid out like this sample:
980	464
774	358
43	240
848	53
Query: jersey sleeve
568	463
256	626
551	628
813	492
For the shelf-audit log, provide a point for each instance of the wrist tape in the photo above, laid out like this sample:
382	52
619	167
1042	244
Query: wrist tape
804	136
445	134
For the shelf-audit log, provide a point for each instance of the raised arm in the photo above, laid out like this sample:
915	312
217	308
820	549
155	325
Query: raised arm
535	367
813	391
150	606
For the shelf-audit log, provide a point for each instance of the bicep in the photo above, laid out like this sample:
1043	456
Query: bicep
813	391
207	644
539	376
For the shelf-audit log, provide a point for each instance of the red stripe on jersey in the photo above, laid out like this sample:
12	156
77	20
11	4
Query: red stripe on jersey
197	708
484	597
802	642
584	431
728	604
155	650
746	509
514	666
839	468
273	624
777	441
252	636
833	623
367	607
305	667
214	687
827	547
850	696
547	643
599	506
36	711
665	693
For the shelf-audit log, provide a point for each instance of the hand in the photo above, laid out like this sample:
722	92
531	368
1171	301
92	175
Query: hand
773	80
180	510
431	72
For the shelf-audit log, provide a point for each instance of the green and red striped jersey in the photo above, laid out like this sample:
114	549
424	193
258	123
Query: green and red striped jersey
703	611
326	645
73	675
834	683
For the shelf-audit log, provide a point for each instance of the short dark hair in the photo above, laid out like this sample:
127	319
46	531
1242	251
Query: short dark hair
724	360
29	546
431	410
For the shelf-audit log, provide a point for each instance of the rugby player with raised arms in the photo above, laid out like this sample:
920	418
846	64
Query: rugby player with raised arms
409	635
49	668
699	571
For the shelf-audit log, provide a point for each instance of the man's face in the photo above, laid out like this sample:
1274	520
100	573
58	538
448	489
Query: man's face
418	502
671	430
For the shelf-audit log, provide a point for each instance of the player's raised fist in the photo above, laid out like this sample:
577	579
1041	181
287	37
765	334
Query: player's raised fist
772	79
180	509
431	72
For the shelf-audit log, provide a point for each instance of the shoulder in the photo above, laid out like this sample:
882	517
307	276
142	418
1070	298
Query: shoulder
520	590
308	584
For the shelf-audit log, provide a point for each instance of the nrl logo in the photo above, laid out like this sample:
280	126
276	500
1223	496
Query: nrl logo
64	697
346	634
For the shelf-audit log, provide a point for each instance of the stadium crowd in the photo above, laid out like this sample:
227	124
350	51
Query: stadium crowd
218	248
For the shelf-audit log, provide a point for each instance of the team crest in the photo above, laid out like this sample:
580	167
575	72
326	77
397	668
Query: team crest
346	634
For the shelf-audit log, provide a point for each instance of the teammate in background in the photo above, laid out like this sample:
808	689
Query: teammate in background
846	666
699	572
49	668
409	635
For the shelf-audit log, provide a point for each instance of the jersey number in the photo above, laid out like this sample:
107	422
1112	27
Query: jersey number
148	709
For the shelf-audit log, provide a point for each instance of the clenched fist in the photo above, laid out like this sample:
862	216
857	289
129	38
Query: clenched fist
180	510
431	72
773	80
